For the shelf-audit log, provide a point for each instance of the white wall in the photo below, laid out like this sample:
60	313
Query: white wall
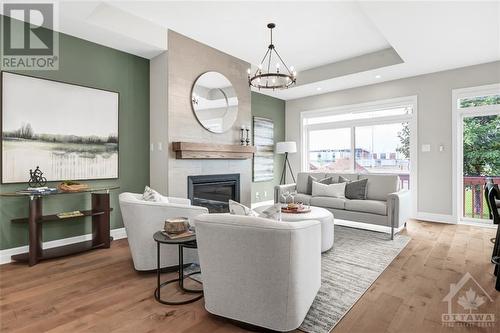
158	136
434	170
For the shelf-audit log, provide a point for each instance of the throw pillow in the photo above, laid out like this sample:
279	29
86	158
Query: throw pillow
311	179
272	212
236	208
355	189
152	195
336	190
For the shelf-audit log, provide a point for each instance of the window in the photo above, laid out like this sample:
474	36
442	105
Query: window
476	101
386	141
397	111
373	138
330	150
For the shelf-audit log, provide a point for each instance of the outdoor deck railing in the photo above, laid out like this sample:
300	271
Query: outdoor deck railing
473	196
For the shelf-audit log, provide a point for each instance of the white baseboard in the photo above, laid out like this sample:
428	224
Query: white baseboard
5	255
440	218
367	226
262	203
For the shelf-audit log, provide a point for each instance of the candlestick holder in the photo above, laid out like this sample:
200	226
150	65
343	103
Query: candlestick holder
242	136
248	136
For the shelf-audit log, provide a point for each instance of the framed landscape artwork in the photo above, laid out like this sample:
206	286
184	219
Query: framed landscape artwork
69	131
263	138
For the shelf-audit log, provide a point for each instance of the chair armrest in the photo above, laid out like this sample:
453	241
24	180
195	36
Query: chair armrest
180	201
278	189
399	207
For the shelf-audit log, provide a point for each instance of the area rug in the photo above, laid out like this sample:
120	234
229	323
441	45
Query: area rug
356	260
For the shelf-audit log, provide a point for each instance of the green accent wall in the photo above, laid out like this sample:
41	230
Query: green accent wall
90	64
272	108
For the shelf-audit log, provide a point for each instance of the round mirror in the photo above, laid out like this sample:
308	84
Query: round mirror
214	102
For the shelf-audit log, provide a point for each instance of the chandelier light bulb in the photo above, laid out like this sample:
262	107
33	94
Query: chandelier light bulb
249	71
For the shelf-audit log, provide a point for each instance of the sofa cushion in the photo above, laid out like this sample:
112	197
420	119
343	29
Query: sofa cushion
303	181
355	189
367	206
328	202
336	176
336	190
380	186
304	198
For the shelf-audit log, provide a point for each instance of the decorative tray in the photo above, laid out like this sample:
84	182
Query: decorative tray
295	211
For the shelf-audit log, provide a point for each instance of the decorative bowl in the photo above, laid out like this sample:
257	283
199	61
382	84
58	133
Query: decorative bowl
69	186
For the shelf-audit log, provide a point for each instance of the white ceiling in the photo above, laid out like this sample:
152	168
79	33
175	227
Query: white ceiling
428	36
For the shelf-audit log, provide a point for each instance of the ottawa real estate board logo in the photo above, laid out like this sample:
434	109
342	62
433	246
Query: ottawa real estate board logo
466	299
28	38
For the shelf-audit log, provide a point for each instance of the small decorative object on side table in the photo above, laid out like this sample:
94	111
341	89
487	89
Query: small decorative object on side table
36	178
186	242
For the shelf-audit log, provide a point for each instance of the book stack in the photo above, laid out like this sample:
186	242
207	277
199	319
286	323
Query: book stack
66	215
184	234
38	190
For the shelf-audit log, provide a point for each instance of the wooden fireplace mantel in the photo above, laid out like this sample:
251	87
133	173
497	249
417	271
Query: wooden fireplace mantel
193	150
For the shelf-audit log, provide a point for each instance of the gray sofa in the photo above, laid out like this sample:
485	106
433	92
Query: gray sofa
385	204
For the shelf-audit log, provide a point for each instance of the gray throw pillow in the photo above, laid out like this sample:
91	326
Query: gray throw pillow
311	179
355	189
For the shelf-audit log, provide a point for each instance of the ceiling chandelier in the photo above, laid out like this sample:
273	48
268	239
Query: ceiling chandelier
266	77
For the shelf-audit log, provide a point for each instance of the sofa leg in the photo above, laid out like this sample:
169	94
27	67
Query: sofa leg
392	232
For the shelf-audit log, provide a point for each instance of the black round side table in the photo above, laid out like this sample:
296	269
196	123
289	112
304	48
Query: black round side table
188	242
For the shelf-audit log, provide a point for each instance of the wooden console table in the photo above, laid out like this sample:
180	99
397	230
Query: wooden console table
100	213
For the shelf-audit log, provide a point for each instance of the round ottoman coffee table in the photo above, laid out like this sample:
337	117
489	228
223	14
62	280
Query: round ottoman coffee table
317	213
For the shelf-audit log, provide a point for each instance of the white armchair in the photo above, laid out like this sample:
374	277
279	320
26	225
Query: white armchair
143	218
259	271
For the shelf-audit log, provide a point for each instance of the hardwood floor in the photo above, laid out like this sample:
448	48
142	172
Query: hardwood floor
100	292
